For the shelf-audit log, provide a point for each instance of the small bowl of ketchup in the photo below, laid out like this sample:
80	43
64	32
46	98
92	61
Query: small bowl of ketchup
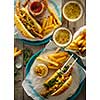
36	8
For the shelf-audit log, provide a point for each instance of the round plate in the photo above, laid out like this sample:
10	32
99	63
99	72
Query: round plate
46	40
79	61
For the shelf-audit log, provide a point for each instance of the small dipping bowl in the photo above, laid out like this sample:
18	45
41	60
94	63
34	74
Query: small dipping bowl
41	70
72	11
36	8
62	37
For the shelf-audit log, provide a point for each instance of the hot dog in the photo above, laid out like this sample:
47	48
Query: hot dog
27	25
58	82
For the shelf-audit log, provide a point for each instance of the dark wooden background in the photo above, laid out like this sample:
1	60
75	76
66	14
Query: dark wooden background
19	93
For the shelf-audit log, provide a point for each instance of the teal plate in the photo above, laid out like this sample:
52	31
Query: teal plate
46	40
79	61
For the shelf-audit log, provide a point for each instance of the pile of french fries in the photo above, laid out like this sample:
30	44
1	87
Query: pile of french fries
54	60
17	52
79	44
51	22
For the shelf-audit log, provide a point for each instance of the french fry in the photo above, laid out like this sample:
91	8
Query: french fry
75	47
49	27
50	20
62	59
58	60
56	26
54	15
84	43
50	66
45	32
73	44
83	49
37	34
80	42
59	54
18	53
78	38
47	23
44	22
15	49
80	49
47	60
54	21
52	58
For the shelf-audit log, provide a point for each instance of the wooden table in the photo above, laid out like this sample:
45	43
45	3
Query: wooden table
19	93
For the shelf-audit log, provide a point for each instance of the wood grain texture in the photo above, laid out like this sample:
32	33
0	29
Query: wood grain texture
34	49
